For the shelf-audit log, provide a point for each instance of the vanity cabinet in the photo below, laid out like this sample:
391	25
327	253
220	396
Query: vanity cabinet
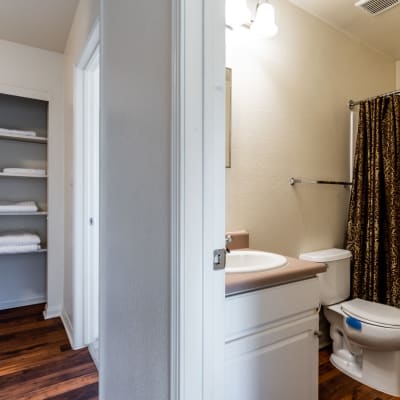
271	343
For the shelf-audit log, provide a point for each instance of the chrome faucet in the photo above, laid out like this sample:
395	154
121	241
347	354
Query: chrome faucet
228	240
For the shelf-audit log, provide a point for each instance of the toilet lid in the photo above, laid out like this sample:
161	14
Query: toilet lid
373	313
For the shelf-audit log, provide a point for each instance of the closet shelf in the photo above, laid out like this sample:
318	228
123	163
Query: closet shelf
37	213
41	251
2	174
27	139
24	179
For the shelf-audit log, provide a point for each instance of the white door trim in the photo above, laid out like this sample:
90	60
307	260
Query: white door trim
198	199
91	199
80	268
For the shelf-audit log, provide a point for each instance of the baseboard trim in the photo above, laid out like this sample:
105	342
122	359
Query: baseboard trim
324	343
68	327
94	353
4	305
69	330
49	313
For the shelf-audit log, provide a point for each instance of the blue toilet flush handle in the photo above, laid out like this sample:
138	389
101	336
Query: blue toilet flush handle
354	323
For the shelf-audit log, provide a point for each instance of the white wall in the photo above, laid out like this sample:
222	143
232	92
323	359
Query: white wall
397	74
86	14
290	118
39	70
135	199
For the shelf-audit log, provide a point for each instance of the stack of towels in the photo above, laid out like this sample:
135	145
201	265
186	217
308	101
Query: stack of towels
17	133
11	243
18	207
24	171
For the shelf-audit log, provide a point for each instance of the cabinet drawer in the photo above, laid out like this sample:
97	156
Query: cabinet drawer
257	310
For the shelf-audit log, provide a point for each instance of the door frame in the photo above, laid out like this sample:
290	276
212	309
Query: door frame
198	199
81	271
91	201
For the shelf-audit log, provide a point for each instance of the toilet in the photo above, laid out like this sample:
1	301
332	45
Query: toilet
365	335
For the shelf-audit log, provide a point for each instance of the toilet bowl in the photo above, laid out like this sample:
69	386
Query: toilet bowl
365	335
372	325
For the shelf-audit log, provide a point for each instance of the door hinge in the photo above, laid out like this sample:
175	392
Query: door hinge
91	221
219	259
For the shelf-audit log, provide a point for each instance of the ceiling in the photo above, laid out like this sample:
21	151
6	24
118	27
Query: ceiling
46	23
381	32
38	23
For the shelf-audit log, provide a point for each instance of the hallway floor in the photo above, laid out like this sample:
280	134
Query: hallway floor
333	385
37	363
36	360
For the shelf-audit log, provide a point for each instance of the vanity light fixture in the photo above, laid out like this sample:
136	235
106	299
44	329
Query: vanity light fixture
264	23
238	14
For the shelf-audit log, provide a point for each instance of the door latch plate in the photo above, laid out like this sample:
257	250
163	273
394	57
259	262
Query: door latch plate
219	259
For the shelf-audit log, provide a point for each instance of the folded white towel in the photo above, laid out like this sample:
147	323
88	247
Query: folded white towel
18	239
17	132
21	206
25	171
12	249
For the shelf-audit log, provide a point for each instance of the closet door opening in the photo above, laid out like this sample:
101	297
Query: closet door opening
91	198
86	198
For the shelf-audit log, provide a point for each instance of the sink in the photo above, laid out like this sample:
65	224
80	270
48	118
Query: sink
238	261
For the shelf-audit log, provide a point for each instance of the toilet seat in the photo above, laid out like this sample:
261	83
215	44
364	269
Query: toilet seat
371	325
368	312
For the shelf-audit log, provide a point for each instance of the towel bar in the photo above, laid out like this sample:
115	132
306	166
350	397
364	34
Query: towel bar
293	181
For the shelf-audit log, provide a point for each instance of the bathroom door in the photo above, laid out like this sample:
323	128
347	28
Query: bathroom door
199	201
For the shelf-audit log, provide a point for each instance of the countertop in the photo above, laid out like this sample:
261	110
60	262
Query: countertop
295	270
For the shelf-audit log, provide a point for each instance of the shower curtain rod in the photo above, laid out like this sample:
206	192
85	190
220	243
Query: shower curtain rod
352	103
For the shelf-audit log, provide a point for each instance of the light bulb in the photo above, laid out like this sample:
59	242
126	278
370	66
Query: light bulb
264	23
236	13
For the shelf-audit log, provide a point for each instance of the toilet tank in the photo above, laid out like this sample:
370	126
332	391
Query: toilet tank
335	282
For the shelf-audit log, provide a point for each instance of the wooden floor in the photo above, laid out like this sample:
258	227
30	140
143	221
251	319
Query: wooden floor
36	360
333	385
37	363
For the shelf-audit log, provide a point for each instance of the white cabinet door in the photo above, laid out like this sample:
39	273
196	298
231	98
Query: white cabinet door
280	363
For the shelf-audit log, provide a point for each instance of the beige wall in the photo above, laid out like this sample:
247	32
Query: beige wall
290	118
397	74
85	16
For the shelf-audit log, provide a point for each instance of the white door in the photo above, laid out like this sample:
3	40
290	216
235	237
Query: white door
198	291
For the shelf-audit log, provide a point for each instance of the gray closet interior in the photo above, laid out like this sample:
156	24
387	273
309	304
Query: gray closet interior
23	276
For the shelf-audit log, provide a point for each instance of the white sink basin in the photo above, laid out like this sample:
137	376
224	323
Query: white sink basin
238	261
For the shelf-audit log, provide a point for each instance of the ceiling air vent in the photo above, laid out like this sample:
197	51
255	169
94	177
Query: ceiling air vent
376	7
